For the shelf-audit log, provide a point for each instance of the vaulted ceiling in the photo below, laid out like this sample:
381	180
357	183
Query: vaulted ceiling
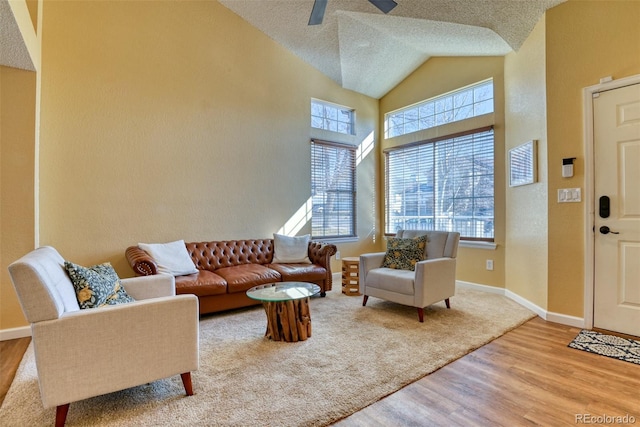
369	52
358	46
13	52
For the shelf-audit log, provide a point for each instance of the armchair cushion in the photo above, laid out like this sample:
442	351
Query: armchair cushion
388	279
404	254
96	286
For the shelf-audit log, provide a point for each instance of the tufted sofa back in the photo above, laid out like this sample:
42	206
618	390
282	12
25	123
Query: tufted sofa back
228	253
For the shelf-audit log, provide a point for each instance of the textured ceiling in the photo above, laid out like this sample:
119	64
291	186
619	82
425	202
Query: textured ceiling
13	52
366	51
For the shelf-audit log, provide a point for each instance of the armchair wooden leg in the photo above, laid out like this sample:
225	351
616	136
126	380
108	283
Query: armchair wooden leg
447	303
421	314
61	414
186	380
364	300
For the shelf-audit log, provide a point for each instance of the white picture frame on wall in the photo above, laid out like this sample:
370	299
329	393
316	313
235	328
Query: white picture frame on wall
523	164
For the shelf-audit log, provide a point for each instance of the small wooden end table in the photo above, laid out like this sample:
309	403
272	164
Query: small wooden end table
287	307
351	275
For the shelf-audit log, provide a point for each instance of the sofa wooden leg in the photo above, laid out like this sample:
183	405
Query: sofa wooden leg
186	380
61	414
364	300
421	314
323	294
447	303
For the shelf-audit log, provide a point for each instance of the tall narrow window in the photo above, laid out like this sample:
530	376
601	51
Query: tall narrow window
333	189
442	184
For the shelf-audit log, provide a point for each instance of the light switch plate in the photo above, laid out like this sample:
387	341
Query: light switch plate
569	195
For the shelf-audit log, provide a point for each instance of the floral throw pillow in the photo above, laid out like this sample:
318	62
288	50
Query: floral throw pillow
403	254
96	286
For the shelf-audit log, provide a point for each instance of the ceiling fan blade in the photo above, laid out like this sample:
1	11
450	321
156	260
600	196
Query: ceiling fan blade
385	6
317	13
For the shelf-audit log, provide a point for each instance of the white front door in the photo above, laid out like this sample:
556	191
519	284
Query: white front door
617	210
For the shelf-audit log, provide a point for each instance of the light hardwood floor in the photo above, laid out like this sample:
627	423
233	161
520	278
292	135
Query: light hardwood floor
526	377
11	352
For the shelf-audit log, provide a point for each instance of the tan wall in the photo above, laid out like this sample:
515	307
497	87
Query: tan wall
17	148
585	41
32	5
435	77
174	120
526	257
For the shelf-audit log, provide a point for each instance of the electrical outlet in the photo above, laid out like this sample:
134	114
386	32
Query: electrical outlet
490	264
338	255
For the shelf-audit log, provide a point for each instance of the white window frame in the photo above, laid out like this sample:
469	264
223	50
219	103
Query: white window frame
332	117
470	101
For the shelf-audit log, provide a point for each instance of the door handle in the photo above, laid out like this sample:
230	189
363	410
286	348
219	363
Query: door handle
606	230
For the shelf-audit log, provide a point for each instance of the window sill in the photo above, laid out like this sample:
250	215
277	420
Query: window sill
335	240
478	245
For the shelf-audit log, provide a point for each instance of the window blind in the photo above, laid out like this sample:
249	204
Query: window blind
333	189
443	184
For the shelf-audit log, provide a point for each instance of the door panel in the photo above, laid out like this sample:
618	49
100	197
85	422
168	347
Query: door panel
617	236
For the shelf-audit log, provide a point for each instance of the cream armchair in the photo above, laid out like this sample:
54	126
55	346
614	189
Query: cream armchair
433	280
86	353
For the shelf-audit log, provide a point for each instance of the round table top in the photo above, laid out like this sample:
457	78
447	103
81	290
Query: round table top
283	291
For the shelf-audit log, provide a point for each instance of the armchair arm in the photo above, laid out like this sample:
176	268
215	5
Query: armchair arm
145	287
96	351
140	261
435	280
367	263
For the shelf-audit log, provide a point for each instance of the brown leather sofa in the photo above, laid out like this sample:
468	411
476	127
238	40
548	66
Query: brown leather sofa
227	269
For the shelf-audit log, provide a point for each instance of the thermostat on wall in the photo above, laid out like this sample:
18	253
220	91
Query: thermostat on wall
567	167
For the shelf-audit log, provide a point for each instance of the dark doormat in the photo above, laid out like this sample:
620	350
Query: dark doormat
607	345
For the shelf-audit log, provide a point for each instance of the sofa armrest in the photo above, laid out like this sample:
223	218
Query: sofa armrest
141	262
125	345
145	287
321	253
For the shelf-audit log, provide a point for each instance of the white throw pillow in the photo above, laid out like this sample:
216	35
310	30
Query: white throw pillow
291	249
171	258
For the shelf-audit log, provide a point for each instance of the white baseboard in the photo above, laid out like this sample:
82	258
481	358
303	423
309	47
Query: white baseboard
13	333
479	287
526	303
563	319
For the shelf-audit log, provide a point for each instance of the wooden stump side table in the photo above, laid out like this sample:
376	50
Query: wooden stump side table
351	276
286	305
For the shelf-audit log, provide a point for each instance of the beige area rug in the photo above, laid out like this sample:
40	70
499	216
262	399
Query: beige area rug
355	356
